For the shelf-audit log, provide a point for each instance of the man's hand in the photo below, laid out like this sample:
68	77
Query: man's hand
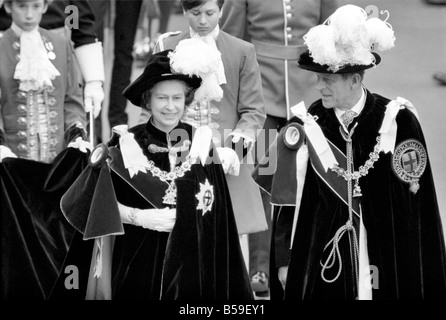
93	97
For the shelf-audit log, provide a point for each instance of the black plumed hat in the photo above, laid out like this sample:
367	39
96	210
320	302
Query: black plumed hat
157	69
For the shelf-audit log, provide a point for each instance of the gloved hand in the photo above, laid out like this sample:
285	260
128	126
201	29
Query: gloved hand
80	144
93	97
162	220
229	160
5	152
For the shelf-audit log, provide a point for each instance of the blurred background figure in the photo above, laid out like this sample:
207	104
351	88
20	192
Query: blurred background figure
276	28
125	23
439	76
153	21
440	2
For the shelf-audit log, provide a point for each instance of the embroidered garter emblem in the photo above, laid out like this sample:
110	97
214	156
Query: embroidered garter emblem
409	162
205	197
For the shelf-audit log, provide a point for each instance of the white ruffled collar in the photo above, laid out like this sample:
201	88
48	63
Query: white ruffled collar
34	69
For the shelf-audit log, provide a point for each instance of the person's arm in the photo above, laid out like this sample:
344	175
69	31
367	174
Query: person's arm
89	54
250	106
233	19
74	113
85	31
282	240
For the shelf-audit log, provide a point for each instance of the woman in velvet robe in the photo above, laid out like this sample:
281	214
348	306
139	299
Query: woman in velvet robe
165	207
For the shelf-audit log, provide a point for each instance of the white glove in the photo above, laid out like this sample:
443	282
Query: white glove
5	152
162	220
229	160
93	97
80	144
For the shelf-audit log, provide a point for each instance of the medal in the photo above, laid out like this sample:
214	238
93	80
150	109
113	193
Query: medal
49	46
409	162
51	55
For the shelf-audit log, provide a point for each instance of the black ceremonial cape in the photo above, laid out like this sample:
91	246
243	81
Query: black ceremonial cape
200	259
36	238
404	232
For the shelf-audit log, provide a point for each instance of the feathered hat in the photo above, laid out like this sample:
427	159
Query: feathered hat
195	57
158	68
346	42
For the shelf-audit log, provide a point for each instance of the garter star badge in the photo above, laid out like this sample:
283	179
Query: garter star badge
205	197
409	162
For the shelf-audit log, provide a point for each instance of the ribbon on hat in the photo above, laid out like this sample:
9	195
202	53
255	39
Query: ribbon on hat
132	155
316	136
389	126
34	70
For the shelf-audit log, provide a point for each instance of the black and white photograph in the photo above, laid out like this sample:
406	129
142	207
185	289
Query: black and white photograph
223	158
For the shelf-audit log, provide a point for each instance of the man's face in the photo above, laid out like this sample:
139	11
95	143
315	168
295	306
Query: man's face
27	14
204	19
336	90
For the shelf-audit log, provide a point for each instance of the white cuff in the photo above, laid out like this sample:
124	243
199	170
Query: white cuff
5	152
91	61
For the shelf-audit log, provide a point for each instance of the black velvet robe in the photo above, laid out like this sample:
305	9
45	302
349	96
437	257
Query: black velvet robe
200	259
404	231
36	237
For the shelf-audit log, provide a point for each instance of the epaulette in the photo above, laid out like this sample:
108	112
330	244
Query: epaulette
160	41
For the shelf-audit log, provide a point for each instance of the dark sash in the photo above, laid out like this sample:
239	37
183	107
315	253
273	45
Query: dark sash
336	183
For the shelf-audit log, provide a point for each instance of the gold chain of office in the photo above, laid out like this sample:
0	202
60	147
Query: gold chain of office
169	177
362	170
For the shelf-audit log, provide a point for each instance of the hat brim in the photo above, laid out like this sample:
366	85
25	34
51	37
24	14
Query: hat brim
135	90
306	62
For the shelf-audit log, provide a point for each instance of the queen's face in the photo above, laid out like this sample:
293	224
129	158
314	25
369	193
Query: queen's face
26	14
167	102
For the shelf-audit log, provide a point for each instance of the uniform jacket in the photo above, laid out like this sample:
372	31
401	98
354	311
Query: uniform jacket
241	109
19	110
276	28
